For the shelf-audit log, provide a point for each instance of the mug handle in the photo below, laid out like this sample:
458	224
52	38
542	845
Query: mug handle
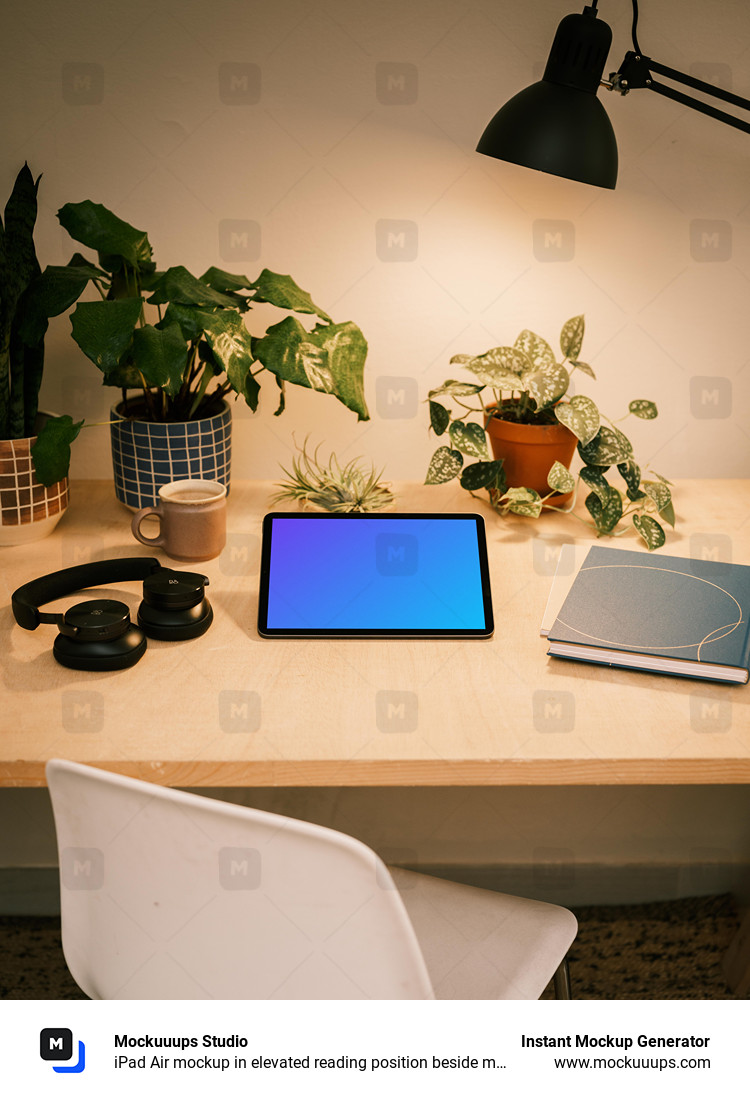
135	527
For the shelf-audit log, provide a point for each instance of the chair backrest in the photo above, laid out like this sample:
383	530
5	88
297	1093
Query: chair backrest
166	894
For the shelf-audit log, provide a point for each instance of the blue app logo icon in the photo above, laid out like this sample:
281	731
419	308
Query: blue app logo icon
56	1045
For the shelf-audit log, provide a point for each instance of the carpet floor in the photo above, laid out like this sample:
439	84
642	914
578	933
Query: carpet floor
662	951
657	951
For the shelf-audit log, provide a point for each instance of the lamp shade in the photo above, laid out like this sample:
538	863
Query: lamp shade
558	125
555	129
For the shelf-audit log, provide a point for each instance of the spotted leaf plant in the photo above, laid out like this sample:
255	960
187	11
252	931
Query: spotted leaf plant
529	383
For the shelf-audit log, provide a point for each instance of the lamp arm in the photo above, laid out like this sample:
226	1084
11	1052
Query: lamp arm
635	72
698	105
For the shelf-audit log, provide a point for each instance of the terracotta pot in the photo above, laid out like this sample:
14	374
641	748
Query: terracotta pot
28	509
146	455
529	451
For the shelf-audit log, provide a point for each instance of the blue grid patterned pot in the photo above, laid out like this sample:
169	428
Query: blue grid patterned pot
146	456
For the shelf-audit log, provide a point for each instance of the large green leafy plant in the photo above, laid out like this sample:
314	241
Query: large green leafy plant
181	342
528	384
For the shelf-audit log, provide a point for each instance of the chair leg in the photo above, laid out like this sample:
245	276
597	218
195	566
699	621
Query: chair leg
561	979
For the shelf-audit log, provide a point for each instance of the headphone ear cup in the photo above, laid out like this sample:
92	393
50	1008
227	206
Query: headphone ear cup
98	636
175	625
175	606
123	652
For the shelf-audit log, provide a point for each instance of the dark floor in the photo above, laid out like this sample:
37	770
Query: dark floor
663	951
658	951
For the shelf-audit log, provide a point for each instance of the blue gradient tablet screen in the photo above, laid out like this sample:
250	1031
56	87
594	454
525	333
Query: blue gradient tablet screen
396	574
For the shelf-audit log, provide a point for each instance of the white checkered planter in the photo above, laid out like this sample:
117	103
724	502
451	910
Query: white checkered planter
28	509
146	455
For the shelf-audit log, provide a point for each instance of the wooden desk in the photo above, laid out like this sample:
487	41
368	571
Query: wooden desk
230	709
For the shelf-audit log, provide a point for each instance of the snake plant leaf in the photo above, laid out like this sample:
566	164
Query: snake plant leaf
18	262
329	359
650	531
646	410
609	447
547	385
439	417
51	452
32	359
606	513
581	415
177	284
535	349
456	389
631	473
571	337
160	355
483	475
444	465
232	348
18	267
104	331
560	479
282	291
524	502
97	227
469	438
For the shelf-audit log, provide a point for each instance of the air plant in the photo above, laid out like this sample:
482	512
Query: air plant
331	487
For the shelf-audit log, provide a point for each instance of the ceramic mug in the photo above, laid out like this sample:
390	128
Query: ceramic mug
192	520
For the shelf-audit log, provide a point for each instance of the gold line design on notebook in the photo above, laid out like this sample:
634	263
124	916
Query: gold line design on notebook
712	636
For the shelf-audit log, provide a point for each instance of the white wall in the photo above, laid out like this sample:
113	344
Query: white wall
130	104
133	105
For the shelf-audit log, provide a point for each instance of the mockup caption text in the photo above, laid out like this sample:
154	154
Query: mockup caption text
624	1042
234	1052
220	1052
613	1051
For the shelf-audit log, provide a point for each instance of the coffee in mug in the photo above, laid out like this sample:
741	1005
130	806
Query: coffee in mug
192	520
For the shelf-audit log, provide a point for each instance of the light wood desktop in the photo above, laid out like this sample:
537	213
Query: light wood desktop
230	709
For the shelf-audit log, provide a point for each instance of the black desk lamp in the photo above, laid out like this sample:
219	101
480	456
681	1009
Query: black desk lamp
559	126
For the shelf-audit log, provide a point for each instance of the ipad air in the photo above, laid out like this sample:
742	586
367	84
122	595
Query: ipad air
418	575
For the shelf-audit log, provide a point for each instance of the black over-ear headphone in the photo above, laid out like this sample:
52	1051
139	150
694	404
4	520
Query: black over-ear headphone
98	634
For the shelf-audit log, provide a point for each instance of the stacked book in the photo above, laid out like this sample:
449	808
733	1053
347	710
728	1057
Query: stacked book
681	616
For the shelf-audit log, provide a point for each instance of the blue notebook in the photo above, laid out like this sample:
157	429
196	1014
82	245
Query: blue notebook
682	616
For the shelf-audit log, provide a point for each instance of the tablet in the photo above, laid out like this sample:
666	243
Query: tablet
400	575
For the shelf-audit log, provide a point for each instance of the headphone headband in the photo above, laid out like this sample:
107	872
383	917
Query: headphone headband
27	599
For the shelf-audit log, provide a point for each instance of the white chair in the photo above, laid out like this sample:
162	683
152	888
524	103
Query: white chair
170	895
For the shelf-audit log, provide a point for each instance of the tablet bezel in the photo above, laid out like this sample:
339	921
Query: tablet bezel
342	517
